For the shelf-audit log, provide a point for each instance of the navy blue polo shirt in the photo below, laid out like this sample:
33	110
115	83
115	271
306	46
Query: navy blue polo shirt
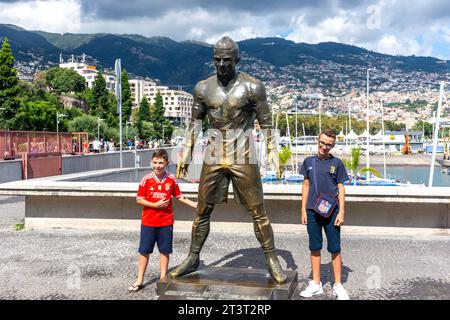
329	173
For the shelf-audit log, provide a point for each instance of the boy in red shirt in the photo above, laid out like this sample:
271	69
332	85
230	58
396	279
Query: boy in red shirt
155	195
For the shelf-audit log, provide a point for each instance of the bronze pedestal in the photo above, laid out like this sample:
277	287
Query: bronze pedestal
217	283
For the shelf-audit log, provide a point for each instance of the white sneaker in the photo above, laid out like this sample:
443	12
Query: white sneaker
340	292
312	289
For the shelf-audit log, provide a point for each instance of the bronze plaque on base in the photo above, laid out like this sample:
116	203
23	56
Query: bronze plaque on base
218	283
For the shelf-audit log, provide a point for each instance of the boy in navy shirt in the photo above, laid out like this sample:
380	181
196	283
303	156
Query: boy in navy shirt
329	176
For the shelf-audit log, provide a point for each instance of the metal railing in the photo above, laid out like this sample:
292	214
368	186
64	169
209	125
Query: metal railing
15	144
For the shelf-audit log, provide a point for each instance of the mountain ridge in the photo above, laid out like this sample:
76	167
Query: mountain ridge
186	62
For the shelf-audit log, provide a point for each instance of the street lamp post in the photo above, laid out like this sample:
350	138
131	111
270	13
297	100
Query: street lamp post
98	128
433	121
118	91
58	115
57	127
349	119
320	114
367	125
423	129
163	137
126	129
135	152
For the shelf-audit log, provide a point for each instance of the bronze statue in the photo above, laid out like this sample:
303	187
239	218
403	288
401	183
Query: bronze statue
231	101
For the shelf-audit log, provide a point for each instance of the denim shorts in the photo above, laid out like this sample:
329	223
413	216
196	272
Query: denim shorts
314	226
163	236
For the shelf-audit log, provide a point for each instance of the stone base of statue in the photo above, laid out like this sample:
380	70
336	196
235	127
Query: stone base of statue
217	283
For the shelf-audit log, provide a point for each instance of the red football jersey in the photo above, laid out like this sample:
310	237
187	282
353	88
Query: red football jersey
153	190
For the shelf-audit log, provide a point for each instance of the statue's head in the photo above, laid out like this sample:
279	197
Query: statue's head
228	45
226	56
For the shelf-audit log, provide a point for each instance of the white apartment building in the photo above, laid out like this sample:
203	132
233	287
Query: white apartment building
177	103
89	72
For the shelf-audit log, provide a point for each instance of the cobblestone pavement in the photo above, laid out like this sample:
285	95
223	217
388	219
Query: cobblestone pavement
81	264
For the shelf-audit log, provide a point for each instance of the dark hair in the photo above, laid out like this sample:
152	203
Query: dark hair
329	133
161	153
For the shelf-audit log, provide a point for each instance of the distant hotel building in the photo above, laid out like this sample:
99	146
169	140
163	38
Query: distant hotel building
89	72
177	103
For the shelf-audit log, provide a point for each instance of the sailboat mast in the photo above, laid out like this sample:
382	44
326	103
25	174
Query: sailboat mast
435	136
382	138
288	133
296	138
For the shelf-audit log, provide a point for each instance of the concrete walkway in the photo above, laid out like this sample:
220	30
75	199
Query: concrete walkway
79	264
90	264
12	211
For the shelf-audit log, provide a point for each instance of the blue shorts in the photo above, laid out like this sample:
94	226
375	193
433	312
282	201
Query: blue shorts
314	226
161	235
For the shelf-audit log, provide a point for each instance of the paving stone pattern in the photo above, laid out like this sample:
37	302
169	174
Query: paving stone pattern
81	264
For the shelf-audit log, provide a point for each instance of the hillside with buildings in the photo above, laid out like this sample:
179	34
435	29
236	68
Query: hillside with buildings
329	67
325	77
177	102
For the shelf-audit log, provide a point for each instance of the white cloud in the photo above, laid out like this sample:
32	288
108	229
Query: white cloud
193	24
445	32
53	16
387	26
242	33
346	27
329	29
352	27
393	45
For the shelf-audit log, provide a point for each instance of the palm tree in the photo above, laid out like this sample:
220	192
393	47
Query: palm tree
353	165
285	154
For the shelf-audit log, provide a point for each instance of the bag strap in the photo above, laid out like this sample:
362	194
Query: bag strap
315	176
315	180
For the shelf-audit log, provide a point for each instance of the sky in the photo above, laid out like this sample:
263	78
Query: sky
397	27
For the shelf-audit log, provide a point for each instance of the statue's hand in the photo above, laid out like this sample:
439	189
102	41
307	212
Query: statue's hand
182	170
183	162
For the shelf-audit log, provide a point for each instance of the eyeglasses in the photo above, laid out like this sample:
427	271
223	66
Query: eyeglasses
328	146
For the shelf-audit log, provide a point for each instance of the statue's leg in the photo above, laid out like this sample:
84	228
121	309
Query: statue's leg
264	234
247	187
200	231
200	227
212	189
262	227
